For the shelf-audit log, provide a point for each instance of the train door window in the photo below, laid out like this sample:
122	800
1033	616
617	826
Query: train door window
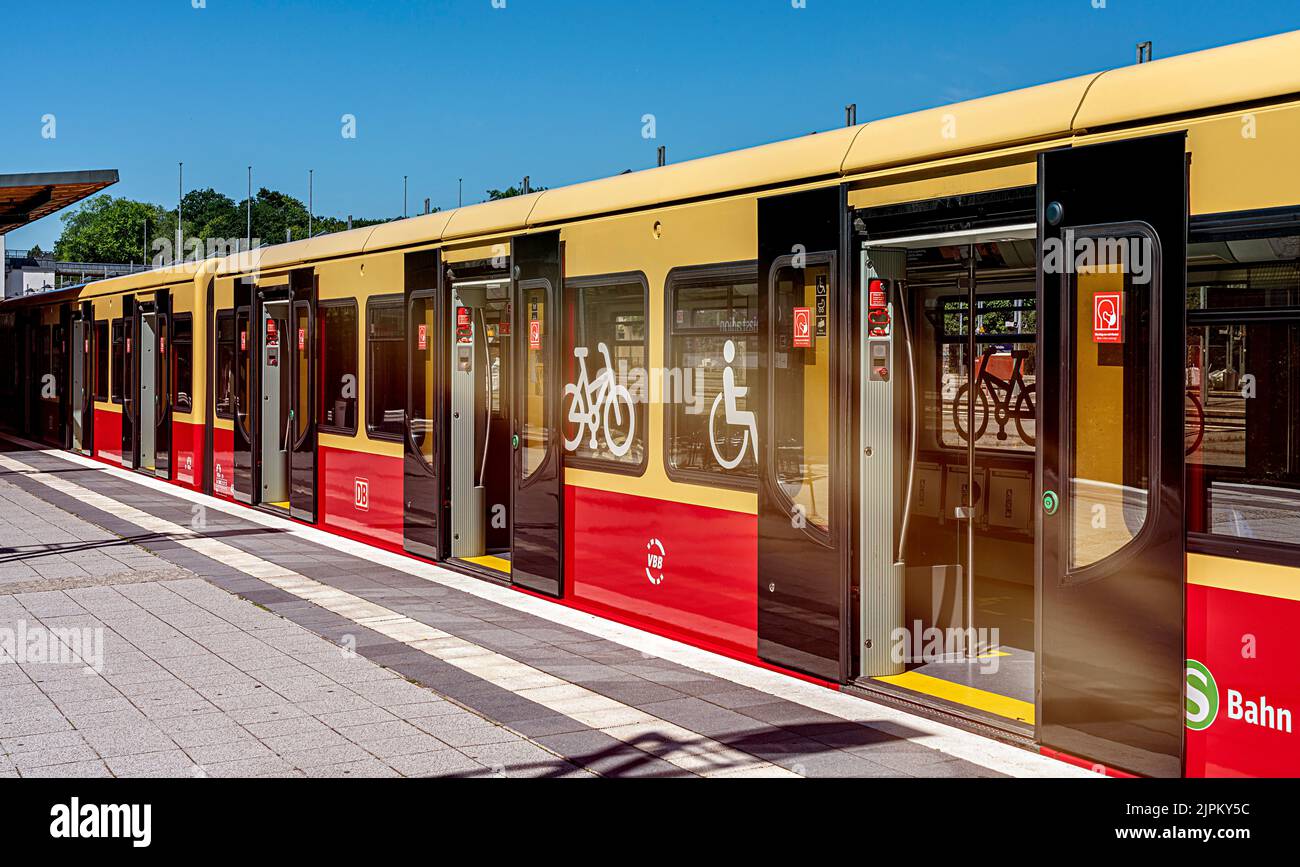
604	408
119	360
1110	405
801	381
385	369
225	372
183	353
713	331
246	340
1243	392
102	348
534	433
337	408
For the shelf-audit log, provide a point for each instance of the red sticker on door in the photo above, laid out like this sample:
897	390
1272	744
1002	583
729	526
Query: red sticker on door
1107	317
243	341
302	339
535	334
422	336
802	327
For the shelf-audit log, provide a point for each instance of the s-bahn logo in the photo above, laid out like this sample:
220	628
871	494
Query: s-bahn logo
1202	702
361	494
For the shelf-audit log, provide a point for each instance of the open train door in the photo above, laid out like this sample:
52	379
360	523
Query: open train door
302	376
1112	297
424	468
248	387
131	383
83	380
803	376
162	438
537	492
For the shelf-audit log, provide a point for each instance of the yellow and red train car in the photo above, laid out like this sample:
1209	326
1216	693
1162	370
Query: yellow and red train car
990	411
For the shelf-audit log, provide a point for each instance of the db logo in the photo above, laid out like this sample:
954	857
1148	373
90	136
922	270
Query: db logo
361	493
802	327
654	562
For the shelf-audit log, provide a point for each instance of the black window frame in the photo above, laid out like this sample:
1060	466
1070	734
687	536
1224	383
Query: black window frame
116	359
1264	223
372	303
322	307
102	343
177	342
224	314
688	276
597	281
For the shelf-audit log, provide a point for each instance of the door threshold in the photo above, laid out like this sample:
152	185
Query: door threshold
475	570
951	713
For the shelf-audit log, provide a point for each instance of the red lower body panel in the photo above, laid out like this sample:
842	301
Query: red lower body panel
108	435
187	454
676	569
360	496
1241	719
223	463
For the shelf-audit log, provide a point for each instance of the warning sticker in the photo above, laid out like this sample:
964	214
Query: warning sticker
802	327
1108	317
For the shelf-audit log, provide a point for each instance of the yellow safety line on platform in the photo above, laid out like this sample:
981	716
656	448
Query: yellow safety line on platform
959	693
497	564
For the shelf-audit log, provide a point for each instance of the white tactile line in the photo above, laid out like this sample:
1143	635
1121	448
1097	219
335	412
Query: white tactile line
679	746
935	735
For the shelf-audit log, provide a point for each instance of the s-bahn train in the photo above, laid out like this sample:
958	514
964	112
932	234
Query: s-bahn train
989	411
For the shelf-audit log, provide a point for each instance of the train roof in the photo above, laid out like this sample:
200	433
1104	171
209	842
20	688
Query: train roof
1217	78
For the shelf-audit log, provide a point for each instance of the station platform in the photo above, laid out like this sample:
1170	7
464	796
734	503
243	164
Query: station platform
238	643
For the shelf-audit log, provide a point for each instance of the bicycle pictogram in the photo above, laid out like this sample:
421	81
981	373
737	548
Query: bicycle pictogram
1013	399
591	401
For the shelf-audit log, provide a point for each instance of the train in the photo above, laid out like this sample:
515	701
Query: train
989	411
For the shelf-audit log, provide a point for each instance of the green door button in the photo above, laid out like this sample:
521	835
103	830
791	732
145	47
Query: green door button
1050	502
514	441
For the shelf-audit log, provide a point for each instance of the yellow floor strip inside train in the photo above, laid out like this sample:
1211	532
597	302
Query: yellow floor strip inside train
283	505
496	564
960	693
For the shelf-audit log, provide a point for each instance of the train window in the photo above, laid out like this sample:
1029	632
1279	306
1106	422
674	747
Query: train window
604	401
801	389
101	359
1110	403
183	349
337	408
225	373
119	360
713	329
1243	389
385	368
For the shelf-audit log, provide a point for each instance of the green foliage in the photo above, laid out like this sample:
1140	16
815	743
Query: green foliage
107	229
510	192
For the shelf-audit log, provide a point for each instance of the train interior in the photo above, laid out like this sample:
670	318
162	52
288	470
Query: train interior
968	556
481	458
275	425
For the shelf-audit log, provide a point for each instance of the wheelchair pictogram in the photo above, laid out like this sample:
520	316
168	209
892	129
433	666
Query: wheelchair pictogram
733	416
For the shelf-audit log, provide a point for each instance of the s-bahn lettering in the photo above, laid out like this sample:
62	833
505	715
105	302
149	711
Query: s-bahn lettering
1204	704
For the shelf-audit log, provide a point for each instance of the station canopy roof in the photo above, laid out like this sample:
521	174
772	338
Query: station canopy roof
28	197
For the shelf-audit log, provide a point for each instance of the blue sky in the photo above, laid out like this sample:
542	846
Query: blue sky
555	89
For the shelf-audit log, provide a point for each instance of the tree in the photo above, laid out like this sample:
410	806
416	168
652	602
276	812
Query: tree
511	192
108	229
105	229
